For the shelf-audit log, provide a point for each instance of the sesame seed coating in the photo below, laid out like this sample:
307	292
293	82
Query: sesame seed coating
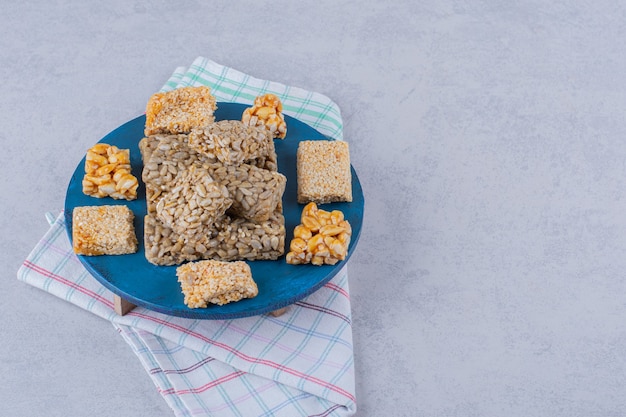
323	171
103	230
180	110
215	282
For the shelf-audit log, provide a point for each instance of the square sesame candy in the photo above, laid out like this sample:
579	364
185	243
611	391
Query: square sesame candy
323	171
103	230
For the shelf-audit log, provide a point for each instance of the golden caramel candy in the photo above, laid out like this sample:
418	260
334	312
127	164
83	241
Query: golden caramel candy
107	173
267	111
322	237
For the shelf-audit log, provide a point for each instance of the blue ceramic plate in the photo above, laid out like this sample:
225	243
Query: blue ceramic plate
156	287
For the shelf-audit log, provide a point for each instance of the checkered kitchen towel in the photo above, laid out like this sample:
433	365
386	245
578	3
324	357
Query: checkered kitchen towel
298	364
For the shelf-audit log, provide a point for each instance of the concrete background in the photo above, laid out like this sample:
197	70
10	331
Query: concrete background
488	137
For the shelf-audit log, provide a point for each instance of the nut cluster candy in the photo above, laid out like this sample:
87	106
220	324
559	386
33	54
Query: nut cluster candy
321	238
195	201
267	111
232	236
107	173
232	142
212	193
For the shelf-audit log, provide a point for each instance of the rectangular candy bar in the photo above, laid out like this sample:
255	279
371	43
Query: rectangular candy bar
229	239
255	192
232	142
103	230
215	282
323	171
180	110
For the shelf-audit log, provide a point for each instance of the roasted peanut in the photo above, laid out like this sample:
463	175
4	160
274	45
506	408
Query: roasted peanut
302	232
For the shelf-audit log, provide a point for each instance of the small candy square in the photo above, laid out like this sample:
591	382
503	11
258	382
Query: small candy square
103	230
180	110
323	171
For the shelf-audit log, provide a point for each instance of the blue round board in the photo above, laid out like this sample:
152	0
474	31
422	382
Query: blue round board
135	279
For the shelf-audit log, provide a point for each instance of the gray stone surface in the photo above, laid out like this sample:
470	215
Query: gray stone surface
489	140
